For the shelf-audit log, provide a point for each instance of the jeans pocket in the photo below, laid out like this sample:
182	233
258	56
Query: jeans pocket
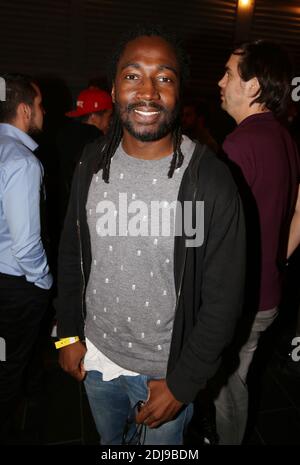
145	379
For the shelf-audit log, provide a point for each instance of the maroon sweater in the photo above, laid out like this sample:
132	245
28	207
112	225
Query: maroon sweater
268	158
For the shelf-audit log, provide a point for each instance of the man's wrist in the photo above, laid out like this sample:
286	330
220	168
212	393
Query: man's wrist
66	341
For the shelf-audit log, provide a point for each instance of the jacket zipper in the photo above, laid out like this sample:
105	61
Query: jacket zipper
183	266
80	247
181	282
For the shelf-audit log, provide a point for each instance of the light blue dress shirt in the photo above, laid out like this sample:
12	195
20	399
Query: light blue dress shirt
21	249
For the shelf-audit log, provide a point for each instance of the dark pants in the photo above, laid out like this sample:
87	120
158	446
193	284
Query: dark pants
22	307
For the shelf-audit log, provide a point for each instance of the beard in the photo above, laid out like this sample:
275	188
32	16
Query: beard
164	127
33	129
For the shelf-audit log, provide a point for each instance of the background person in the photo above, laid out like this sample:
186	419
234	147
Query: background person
25	279
255	91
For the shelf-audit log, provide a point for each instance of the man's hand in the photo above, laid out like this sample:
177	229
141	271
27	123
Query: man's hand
70	359
161	406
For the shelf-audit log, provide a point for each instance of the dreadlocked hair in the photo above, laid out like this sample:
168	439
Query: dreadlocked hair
115	134
178	157
114	138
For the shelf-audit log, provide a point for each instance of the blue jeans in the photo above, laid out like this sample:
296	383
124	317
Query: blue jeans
111	402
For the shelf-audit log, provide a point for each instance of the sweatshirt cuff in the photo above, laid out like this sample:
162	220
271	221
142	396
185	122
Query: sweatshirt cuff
183	389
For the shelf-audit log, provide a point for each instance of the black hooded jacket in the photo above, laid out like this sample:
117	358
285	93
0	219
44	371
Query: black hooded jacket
209	279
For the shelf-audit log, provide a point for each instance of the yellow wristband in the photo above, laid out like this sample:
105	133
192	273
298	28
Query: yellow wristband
66	341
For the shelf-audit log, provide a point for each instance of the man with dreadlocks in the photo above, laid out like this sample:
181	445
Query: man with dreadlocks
146	305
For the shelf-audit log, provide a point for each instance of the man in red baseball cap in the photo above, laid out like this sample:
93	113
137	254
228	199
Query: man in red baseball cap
93	106
87	122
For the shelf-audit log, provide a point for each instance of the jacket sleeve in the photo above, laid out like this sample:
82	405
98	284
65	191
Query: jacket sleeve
70	279
222	288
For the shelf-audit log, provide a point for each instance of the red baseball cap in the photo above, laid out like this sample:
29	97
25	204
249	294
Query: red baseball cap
91	101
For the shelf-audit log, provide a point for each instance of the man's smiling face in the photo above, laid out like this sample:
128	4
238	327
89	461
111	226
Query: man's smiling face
146	88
